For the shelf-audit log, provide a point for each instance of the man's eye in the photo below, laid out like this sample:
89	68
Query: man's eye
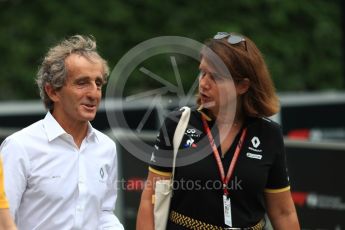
82	82
99	83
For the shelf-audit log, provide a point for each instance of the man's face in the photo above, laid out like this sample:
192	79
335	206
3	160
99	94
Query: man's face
78	99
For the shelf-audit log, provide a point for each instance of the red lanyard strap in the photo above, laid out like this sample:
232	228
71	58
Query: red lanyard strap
226	179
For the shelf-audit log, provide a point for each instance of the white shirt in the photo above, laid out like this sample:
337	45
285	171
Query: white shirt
51	184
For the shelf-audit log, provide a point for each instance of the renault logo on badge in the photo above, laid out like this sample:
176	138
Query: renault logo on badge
255	142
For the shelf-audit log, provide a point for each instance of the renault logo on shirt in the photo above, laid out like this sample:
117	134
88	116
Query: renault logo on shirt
101	172
258	152
255	142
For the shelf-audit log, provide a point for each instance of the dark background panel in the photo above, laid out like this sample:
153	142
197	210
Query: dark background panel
312	116
317	180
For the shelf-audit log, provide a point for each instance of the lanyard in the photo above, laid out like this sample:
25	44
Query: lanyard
225	179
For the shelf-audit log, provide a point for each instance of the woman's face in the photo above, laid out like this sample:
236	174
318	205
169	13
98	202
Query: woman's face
216	92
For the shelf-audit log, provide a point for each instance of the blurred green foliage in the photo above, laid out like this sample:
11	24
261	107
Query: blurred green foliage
301	40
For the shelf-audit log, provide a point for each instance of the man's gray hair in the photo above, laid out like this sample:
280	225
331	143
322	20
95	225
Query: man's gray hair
53	70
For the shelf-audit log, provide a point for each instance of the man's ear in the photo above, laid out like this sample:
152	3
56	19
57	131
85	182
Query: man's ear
242	86
51	92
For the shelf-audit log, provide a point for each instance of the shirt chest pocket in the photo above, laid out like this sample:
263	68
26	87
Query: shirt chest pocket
49	186
99	180
103	173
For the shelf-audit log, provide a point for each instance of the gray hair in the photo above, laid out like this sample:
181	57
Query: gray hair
53	69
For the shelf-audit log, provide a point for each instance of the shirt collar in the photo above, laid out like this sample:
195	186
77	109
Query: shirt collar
91	133
205	113
54	130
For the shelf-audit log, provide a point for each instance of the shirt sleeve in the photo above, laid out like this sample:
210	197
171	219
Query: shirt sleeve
16	171
278	180
108	220
162	154
3	200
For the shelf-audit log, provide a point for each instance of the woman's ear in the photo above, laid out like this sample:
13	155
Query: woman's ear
242	86
51	92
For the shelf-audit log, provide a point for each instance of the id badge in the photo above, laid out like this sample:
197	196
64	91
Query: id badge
227	210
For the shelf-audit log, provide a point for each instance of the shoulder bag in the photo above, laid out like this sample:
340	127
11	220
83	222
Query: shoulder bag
163	189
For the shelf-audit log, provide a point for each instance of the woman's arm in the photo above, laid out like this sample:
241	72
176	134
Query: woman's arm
6	222
281	211
145	219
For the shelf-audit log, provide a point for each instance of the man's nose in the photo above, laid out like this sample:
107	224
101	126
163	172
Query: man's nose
94	90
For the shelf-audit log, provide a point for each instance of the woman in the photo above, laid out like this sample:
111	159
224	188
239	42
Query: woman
245	149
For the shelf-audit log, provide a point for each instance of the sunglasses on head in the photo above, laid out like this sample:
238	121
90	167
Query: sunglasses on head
232	38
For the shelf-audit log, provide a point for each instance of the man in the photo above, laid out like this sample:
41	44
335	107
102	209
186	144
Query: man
6	222
60	171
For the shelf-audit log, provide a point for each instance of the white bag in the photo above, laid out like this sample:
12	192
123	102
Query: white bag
163	189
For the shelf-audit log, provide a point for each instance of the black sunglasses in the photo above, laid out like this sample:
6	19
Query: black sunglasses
232	38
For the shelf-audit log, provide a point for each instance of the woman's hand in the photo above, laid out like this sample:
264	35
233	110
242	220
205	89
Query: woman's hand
145	220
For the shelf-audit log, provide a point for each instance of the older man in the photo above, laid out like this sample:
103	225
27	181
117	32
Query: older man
61	172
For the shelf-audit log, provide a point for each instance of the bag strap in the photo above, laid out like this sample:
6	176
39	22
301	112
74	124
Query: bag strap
178	135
